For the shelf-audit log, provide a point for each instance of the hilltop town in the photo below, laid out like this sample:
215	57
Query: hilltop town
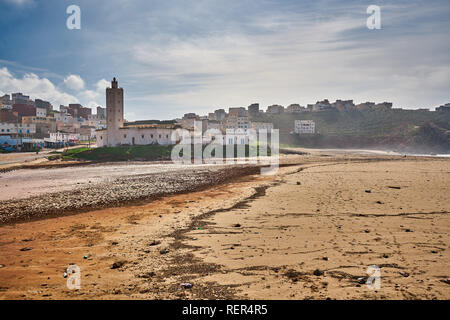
30	125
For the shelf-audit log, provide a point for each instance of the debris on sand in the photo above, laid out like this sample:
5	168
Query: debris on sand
154	243
147	275
405	274
26	249
164	251
318	272
368	191
237	225
361	280
118	264
186	285
393	187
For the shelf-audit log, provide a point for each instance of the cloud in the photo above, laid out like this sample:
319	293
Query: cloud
298	57
74	82
101	85
176	56
36	87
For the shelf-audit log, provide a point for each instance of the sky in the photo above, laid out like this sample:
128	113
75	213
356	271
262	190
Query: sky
178	56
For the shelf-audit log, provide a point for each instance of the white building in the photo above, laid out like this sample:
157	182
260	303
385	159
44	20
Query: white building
118	132
41	112
17	129
63	117
305	127
6	105
62	137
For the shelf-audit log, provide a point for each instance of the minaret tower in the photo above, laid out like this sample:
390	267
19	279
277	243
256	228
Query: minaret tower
114	113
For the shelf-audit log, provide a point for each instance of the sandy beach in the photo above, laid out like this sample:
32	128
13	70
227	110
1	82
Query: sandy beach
308	232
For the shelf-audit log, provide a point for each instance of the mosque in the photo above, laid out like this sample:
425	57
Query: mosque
119	132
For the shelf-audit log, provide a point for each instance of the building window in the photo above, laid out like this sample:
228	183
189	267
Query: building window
151	136
142	136
167	136
124	135
160	136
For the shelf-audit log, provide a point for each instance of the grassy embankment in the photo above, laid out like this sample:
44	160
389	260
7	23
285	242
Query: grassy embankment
128	153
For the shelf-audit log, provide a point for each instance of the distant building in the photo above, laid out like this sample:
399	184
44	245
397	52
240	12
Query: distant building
304	127
343	105
220	114
444	108
214	124
7	115
101	113
19	98
43	105
41	112
237	112
321	106
78	111
295	108
17	129
237	119
6	99
365	106
6	105
24	110
253	109
188	120
63	109
44	125
275	109
119	132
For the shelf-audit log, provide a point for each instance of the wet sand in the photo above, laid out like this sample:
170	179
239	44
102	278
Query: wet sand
309	232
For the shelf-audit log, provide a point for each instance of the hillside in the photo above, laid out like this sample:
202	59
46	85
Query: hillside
397	129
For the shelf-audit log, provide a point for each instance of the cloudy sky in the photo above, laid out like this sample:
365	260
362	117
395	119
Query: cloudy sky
178	56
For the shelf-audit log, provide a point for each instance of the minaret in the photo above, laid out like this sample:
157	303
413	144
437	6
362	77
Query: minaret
114	113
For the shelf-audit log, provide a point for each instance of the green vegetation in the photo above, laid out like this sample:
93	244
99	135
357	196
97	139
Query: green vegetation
121	153
137	153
